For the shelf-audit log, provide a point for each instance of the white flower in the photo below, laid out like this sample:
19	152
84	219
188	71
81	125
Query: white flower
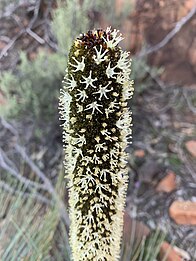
108	111
90	219
99	56
85	181
80	141
79	65
86	160
128	89
98	207
80	108
82	95
94	106
113	163
111	43
104	173
64	104
103	91
89	81
100	187
71	83
106	133
121	78
105	157
114	104
114	153
96	159
110	71
124	121
76	152
86	232
124	63
98	147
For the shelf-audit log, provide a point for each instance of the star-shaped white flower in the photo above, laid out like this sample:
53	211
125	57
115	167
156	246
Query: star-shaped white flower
98	207
104	174
86	160
114	153
114	104
70	83
89	219
80	141
103	91
99	147
124	63
94	106
81	95
79	65
111	43
65	97
100	57
107	134
108	111
96	159
110	71
89	81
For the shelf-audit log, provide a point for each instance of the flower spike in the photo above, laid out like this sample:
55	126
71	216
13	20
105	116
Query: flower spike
96	130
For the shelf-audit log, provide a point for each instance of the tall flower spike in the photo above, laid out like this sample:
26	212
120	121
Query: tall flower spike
96	130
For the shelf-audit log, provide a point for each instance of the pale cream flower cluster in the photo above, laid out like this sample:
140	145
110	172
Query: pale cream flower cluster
96	129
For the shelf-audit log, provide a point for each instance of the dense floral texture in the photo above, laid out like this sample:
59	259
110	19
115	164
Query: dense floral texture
93	106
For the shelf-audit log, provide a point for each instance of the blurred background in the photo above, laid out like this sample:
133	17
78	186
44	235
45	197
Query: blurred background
35	37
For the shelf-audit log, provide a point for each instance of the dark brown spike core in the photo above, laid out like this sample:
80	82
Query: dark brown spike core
94	38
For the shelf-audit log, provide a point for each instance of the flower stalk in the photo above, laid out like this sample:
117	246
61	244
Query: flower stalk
96	131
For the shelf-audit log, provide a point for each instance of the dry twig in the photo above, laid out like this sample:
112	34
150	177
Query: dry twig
46	182
27	30
189	103
36	195
10	169
170	35
10	44
35	36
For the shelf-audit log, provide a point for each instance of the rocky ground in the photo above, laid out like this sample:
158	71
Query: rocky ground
162	171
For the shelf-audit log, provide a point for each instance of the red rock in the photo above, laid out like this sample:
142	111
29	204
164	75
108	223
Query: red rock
183	212
168	253
168	183
139	153
2	44
192	54
191	147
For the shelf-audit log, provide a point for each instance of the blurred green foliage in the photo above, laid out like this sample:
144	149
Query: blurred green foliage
33	90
